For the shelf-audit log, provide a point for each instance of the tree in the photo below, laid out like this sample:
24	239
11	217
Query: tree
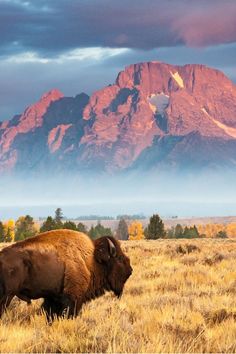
81	228
99	230
155	228
48	224
170	233
211	230
92	233
2	239
122	232
58	217
191	232
9	230
25	227
221	234
179	231
231	229
136	231
69	225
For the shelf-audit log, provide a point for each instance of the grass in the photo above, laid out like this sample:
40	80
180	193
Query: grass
180	298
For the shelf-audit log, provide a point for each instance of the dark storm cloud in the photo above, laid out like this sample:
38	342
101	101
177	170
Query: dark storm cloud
39	42
56	26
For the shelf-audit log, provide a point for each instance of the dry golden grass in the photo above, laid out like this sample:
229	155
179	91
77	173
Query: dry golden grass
180	298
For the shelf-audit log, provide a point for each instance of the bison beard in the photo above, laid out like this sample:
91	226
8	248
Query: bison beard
64	267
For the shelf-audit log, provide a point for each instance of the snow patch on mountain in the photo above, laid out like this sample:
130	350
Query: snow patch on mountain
176	76
158	102
56	136
228	130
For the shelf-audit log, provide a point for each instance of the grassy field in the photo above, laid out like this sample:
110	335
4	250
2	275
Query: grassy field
180	298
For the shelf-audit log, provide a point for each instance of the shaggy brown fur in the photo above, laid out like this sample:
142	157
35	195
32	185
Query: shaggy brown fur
64	267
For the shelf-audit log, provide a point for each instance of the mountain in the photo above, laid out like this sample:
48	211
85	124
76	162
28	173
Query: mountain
155	116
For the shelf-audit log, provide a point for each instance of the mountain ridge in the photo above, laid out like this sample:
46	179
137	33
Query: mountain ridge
191	109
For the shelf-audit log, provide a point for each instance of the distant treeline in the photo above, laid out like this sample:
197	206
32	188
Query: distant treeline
94	217
118	217
127	229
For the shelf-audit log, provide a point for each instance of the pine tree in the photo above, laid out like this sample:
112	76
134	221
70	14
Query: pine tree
58	218
92	233
70	225
49	224
190	232
99	230
179	231
122	232
170	232
155	228
81	228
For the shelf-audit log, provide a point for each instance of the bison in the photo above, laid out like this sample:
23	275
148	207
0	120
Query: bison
64	267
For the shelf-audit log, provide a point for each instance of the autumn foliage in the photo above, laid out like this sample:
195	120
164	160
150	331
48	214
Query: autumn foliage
214	230
136	231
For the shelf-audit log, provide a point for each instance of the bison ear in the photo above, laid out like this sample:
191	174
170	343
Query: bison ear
104	249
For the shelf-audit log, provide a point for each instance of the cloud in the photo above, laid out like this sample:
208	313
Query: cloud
23	82
81	54
81	45
51	28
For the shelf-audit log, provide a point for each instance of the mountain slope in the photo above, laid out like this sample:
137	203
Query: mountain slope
156	99
33	141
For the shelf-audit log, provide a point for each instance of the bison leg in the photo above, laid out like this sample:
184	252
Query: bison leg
4	303
24	298
58	306
52	308
76	286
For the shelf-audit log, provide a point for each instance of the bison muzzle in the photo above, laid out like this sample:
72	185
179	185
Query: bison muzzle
64	267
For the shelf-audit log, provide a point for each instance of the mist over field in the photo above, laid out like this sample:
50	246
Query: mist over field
169	195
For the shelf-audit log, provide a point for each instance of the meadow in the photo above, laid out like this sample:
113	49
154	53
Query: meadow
180	298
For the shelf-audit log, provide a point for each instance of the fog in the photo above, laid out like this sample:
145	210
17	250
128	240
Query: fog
169	195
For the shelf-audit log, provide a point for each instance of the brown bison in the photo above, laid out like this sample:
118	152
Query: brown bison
64	267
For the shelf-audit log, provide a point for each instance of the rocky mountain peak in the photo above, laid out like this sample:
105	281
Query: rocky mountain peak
52	95
154	112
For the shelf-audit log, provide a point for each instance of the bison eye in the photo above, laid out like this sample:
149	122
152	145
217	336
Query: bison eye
120	258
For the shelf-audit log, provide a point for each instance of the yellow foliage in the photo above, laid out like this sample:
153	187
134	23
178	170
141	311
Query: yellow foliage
231	229
9	230
136	231
36	226
211	230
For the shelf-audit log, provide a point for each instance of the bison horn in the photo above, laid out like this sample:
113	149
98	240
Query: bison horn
112	248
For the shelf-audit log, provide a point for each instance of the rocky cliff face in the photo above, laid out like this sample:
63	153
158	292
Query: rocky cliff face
155	116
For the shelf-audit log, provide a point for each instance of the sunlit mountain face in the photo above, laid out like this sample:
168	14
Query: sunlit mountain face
155	117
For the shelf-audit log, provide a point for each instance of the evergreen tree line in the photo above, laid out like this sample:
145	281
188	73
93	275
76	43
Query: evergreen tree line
26	227
57	223
156	229
190	232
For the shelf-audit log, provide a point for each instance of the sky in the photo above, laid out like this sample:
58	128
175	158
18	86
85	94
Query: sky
191	196
81	45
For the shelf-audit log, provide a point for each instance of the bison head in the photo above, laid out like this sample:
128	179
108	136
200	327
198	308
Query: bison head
116	264
13	270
